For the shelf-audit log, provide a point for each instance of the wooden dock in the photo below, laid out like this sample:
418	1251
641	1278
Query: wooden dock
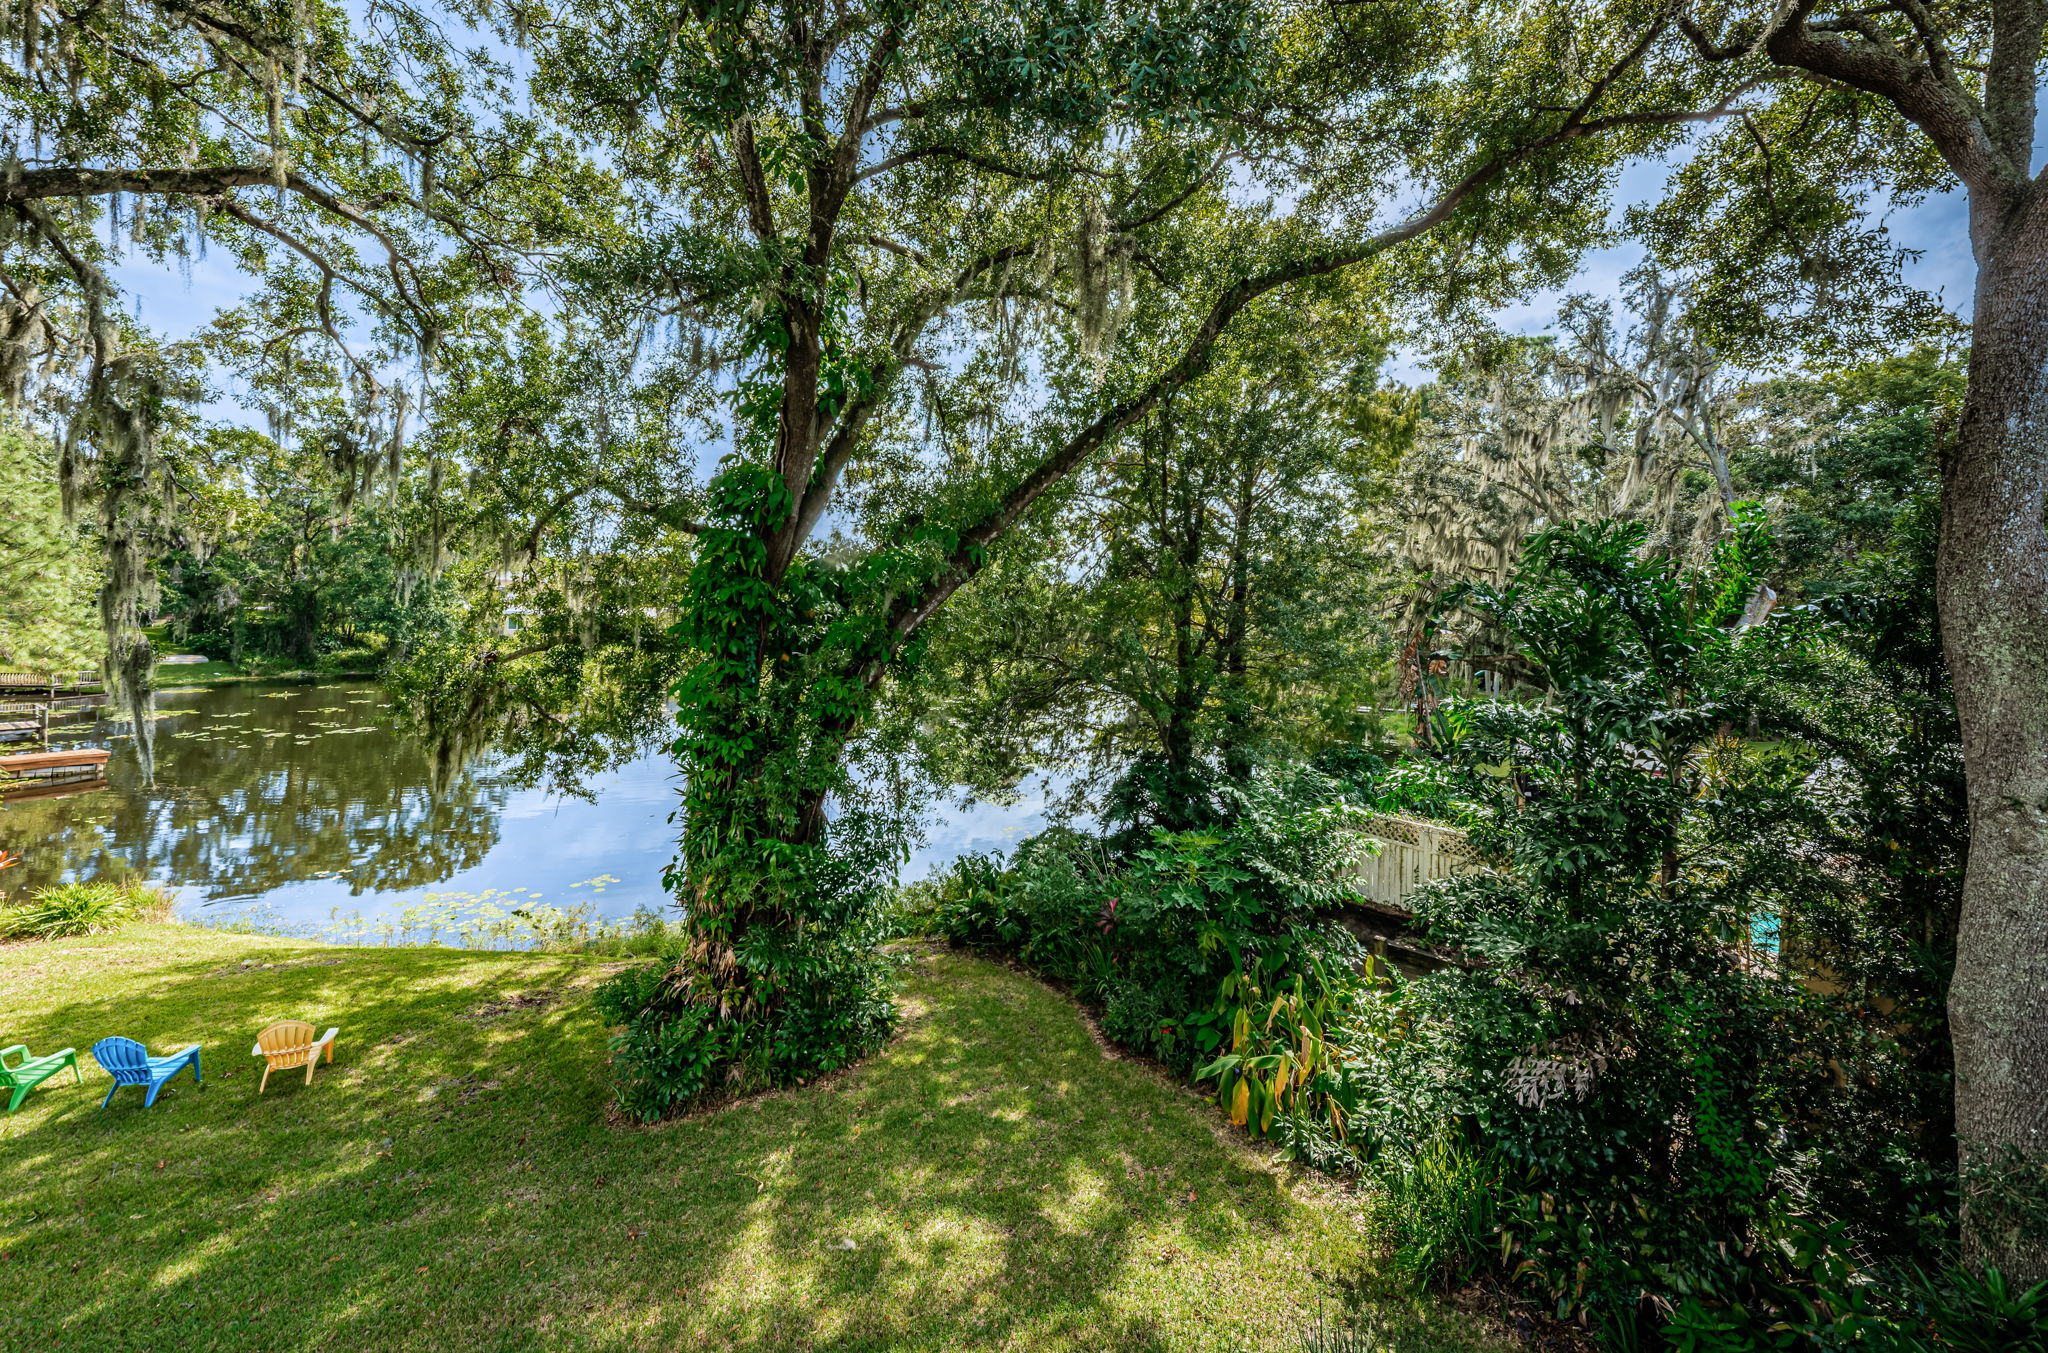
85	761
30	703
64	704
31	722
21	791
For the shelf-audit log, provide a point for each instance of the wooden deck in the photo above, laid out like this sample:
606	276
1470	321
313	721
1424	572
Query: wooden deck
63	704
1407	852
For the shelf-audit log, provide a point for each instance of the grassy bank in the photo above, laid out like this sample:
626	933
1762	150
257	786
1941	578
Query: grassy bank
214	672
343	665
450	1182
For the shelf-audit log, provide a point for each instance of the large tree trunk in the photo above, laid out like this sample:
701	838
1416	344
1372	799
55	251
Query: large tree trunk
1992	583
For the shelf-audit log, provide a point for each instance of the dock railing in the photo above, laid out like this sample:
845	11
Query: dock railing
53	682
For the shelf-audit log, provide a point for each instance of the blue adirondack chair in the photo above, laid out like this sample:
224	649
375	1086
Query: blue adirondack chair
129	1063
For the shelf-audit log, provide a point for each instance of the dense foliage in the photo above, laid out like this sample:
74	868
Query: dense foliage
866	400
47	568
1207	599
1685	1073
69	909
1673	1083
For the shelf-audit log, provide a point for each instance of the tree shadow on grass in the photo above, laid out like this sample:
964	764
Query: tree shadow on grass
449	1182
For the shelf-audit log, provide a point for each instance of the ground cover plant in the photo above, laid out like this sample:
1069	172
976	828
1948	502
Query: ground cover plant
451	1182
89	908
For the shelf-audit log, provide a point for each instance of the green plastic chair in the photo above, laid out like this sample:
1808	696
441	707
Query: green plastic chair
33	1071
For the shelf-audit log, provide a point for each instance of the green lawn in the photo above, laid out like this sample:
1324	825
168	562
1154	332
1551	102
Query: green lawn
451	1183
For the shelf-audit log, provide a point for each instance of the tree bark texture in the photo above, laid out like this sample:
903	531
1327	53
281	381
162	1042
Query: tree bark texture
1992	583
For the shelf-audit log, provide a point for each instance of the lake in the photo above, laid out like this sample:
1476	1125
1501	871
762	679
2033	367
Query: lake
297	803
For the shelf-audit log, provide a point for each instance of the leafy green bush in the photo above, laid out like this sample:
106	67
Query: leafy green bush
968	904
668	1048
1840	1305
1682	1122
1204	948
85	909
674	1050
1441	1209
1983	1313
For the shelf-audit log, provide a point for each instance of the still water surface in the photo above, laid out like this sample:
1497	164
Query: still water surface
298	802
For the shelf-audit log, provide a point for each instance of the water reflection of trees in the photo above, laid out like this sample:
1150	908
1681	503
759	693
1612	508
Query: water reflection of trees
233	813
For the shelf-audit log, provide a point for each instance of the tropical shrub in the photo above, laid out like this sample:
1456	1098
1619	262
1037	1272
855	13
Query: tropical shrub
1284	1062
1983	1313
1441	1209
1208	949
672	1052
1685	1093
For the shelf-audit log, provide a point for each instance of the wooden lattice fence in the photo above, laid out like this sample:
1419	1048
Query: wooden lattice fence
1410	852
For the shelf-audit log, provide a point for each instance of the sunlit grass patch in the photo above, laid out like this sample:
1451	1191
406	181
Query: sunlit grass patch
450	1183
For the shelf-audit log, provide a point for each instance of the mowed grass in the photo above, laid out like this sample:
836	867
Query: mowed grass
451	1182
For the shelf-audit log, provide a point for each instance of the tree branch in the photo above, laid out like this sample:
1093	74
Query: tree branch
27	184
857	121
846	435
753	182
328	274
98	291
1173	204
979	161
900	250
969	556
1941	109
662	512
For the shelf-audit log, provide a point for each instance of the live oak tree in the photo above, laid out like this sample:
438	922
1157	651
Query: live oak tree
1916	96
1628	416
554	513
844	203
353	163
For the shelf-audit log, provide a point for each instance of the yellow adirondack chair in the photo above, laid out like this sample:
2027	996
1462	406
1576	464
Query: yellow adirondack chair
289	1043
